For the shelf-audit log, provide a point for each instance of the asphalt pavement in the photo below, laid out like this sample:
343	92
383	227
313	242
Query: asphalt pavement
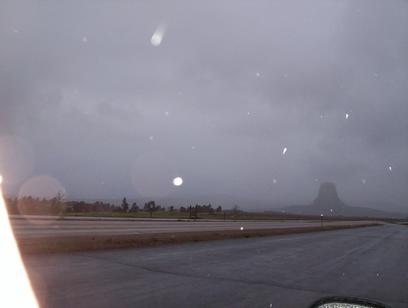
278	271
82	226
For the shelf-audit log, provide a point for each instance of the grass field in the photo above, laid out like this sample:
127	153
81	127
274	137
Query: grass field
229	215
186	215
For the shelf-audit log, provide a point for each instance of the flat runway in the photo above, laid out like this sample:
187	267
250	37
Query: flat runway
279	271
41	226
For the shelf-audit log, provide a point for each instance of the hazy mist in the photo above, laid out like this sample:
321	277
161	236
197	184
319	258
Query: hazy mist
87	99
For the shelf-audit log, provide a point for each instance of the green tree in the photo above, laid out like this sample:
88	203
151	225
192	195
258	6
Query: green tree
134	208
150	207
125	205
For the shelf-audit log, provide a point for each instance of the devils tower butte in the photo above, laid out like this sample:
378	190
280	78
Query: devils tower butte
328	198
328	203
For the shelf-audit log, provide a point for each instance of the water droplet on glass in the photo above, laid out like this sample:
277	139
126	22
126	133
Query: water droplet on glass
157	36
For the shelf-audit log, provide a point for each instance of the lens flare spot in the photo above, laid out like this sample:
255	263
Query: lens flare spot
177	181
41	186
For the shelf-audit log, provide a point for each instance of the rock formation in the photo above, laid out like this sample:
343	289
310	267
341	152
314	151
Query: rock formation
328	203
327	198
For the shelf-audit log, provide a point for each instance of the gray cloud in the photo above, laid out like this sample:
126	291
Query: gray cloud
232	83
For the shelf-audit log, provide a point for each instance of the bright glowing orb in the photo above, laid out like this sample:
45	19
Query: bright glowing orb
156	39
157	36
177	181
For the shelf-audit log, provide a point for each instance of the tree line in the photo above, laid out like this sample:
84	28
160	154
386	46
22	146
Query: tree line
57	206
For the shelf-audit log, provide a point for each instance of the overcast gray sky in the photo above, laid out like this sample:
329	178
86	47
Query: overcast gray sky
89	102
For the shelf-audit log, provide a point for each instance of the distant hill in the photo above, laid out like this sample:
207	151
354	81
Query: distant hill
328	203
387	206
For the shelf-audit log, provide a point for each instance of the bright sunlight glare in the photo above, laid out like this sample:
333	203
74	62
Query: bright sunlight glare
15	286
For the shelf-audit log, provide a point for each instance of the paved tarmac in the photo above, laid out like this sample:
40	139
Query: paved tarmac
278	271
47	227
